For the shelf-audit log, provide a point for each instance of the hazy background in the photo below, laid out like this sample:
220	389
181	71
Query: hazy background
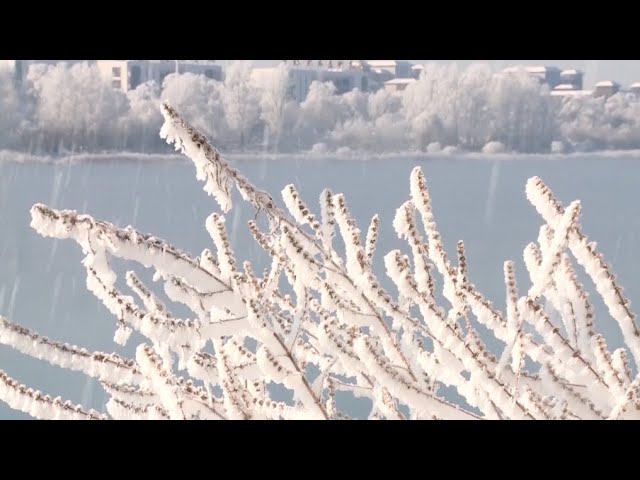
61	109
623	71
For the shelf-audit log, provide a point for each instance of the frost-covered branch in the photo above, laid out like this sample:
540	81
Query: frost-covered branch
319	324
40	406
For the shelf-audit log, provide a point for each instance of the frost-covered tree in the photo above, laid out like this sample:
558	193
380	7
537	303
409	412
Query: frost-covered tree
521	112
588	123
75	108
369	122
240	100
430	106
473	107
320	113
385	133
382	102
276	104
201	99
12	118
144	119
317	322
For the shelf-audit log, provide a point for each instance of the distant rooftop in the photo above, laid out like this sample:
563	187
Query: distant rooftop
607	83
532	69
571	93
201	62
387	63
542	69
565	86
400	81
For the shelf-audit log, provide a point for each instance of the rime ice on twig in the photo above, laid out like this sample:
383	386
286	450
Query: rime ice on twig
211	167
40	406
591	260
103	366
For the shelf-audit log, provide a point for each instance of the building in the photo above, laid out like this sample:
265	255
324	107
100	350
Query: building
377	72
572	77
396	68
417	70
345	80
375	77
123	74
15	67
126	75
606	88
364	75
547	75
398	84
354	75
300	79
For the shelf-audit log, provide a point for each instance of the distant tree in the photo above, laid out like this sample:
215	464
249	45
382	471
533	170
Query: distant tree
144	119
240	99
13	116
201	98
430	106
382	102
75	107
274	102
321	112
473	106
589	123
521	112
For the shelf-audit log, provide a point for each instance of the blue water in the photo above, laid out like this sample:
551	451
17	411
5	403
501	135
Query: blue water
482	201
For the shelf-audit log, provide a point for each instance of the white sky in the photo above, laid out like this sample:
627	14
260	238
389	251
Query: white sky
622	71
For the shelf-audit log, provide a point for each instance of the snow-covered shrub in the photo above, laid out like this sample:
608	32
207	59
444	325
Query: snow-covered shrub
494	147
557	147
318	322
143	119
434	147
